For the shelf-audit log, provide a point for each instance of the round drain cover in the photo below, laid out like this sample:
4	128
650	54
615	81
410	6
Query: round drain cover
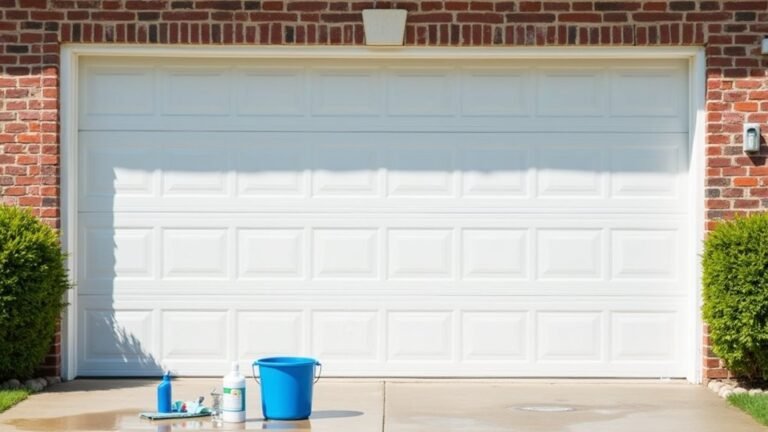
546	408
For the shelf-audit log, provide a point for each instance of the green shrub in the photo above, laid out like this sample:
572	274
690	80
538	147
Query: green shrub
736	294
33	280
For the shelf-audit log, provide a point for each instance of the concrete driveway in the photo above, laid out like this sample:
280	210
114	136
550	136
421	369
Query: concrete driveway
403	406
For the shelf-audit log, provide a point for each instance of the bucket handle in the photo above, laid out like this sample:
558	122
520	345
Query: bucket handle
258	380
319	372
253	372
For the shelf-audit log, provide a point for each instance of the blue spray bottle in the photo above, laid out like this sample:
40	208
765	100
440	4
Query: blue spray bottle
164	394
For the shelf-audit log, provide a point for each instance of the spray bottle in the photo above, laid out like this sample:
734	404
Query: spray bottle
164	394
234	396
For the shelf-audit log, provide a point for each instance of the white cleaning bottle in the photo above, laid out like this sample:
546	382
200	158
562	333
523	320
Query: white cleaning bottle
233	399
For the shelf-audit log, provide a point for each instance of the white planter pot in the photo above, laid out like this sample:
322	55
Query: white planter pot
384	26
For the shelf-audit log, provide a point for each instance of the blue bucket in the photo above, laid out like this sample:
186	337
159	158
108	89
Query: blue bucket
286	386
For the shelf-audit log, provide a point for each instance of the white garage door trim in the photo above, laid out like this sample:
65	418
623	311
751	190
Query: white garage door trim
69	78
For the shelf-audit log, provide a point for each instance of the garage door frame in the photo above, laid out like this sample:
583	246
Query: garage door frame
72	53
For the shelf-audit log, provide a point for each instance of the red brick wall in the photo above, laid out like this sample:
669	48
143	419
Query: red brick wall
31	32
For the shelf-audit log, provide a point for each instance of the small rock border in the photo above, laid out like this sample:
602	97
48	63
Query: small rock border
34	385
725	388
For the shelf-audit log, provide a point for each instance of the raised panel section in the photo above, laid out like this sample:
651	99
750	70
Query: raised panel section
117	335
644	254
346	92
495	92
570	93
470	95
644	171
195	253
420	93
270	253
421	171
345	336
494	336
419	336
271	170
349	170
643	336
494	171
494	254
118	253
113	169
269	333
196	91
570	171
271	92
647	92
420	253
345	253
124	91
570	254
195	335
569	336
195	171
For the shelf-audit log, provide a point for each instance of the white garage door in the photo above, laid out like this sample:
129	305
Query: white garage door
391	218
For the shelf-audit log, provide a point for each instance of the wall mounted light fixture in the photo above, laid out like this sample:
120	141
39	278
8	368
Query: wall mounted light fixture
751	137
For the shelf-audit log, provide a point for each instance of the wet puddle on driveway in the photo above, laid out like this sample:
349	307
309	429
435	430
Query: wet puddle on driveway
128	420
102	421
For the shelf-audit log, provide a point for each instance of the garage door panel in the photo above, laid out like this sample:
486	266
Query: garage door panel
118	253
109	331
136	99
194	171
495	91
349	169
583	95
465	336
421	171
271	253
398	288
644	336
195	334
498	253
416	92
346	336
116	168
569	336
383	172
418	253
570	254
420	336
270	170
496	336
662	87
211	95
645	254
108	337
571	171
570	92
410	218
498	171
647	171
195	253
283	87
345	92
349	253
593	255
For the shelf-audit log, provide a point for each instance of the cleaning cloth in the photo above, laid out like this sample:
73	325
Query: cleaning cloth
181	410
